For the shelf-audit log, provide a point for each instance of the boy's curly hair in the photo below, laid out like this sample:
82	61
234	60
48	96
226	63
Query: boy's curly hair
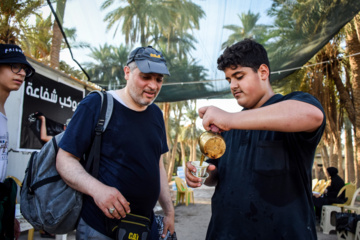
246	53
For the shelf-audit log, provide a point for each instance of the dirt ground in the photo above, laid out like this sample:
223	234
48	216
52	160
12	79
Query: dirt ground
191	221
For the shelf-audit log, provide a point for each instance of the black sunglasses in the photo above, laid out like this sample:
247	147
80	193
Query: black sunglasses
16	68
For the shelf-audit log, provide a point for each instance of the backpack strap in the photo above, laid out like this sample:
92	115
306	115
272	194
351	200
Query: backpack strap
93	160
109	105
92	163
44	181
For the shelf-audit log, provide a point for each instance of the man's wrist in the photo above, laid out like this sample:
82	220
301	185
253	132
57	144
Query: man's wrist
170	212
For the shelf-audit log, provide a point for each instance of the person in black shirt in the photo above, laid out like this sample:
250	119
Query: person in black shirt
132	176
330	194
263	180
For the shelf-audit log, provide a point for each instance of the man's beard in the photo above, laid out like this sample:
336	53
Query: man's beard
140	100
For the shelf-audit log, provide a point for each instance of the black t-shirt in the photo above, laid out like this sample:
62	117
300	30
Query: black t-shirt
131	148
264	185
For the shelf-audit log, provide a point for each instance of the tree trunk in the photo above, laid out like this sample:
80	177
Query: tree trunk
353	44
349	153
357	169
332	155
325	160
357	25
325	157
57	35
166	112
183	157
195	142
191	151
340	160
170	169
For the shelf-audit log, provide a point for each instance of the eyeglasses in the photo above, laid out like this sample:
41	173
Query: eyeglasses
16	68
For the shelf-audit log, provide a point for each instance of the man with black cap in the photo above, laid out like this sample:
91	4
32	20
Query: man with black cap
14	69
132	176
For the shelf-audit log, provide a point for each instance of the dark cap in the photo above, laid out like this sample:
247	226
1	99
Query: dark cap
148	60
10	53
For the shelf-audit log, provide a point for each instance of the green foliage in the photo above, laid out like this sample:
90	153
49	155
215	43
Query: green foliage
14	15
146	21
66	68
249	29
107	70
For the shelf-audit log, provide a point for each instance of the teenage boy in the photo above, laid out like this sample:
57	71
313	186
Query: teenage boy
263	181
14	69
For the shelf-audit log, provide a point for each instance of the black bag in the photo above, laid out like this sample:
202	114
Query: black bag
133	226
160	225
346	222
8	190
46	201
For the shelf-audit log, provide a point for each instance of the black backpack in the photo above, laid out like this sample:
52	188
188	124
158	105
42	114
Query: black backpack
46	201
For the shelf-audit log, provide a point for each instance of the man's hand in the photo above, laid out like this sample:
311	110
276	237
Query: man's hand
317	195
42	117
169	224
108	198
193	181
214	119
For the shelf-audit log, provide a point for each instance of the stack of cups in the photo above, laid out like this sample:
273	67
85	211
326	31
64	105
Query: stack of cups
200	170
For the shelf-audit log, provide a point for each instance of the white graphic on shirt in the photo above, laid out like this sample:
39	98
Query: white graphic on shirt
4	142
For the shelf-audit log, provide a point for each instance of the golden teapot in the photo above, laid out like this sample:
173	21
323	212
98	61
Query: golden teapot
212	145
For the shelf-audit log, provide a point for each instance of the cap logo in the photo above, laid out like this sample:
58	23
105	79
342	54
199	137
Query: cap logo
13	50
154	55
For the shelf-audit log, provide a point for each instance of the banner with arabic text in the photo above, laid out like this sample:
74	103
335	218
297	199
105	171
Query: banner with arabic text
55	100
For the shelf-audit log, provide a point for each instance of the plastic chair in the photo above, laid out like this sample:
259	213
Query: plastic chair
319	185
354	205
181	174
325	223
345	235
24	225
322	188
349	194
357	233
184	194
315	182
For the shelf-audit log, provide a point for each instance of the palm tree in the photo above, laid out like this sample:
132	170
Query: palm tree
107	71
183	70
353	43
185	17
79	74
57	35
147	20
38	39
138	17
249	29
14	15
178	44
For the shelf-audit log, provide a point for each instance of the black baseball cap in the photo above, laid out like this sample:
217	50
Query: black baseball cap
148	60
11	53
